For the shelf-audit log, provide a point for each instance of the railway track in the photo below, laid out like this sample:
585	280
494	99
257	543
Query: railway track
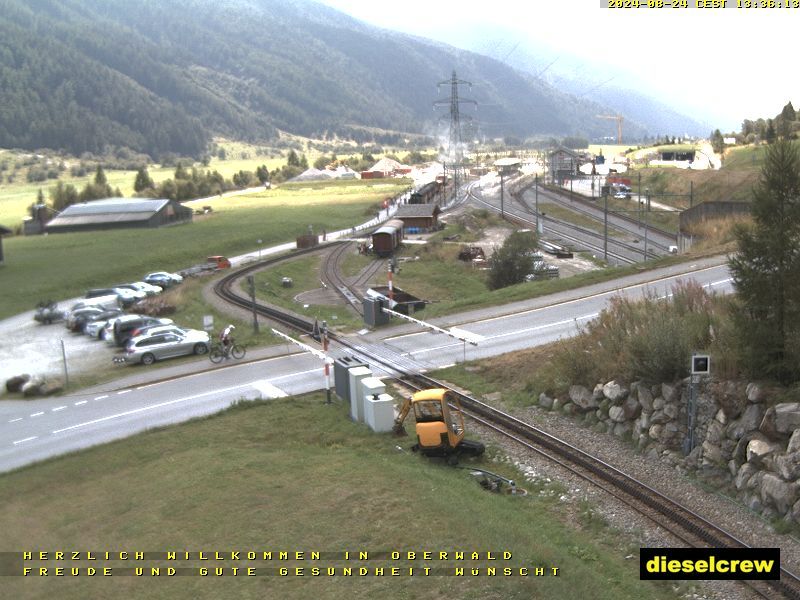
560	230
580	206
687	525
577	199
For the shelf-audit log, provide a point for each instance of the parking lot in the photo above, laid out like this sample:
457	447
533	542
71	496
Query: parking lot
29	347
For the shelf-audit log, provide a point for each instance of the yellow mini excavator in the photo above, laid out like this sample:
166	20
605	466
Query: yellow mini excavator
440	425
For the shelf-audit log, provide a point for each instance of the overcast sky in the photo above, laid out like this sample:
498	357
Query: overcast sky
724	65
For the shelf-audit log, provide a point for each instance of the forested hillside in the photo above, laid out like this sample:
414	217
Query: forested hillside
85	75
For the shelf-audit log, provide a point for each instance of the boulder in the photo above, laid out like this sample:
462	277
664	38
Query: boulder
787	417
658	404
758	450
740	452
545	401
743	475
788	465
14	384
796	512
755	393
731	398
670	393
616	414
614	392
749	421
597	392
671	411
655	431
733	468
582	398
622	429
569	409
558	403
643	422
777	492
711	454
659	417
721	417
645	398
794	442
32	388
714	432
781	419
632	408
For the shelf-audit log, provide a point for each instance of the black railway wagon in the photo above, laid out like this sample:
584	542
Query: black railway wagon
425	194
388	237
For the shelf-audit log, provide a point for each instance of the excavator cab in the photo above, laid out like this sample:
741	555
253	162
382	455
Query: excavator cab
440	424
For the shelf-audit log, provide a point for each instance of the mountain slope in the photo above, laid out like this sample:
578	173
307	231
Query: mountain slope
159	77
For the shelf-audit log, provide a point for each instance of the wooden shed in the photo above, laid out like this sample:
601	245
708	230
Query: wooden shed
419	218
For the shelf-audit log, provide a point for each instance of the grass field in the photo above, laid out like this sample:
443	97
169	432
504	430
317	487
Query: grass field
296	475
65	265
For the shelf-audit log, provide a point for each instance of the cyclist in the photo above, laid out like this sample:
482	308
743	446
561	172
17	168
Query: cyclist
226	338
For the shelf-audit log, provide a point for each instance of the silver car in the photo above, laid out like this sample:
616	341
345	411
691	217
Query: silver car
147	349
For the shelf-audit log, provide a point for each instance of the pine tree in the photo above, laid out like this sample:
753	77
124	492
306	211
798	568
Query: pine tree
766	270
100	176
142	181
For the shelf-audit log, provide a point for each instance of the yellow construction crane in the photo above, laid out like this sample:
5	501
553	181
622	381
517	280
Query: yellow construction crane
618	119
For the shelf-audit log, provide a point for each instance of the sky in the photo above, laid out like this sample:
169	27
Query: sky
722	65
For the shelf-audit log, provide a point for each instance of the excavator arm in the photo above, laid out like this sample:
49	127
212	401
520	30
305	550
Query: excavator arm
398	428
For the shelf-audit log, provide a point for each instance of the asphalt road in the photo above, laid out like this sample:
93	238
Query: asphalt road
32	430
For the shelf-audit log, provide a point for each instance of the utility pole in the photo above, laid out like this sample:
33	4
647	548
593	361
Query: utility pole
605	224
252	283
455	154
536	199
502	212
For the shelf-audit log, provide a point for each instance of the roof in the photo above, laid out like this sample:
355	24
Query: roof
417	210
110	210
114	206
507	162
387	165
562	150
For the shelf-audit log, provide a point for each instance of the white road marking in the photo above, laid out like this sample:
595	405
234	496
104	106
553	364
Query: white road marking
123	392
25	440
15	420
39	414
146	408
267	390
102	397
58	408
81	402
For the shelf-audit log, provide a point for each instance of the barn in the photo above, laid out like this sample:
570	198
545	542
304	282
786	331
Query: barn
119	213
418	218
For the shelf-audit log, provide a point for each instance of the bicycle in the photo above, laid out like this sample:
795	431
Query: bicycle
217	353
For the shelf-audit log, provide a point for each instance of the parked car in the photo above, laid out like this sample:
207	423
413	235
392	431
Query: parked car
100	319
77	318
158	328
147	349
126	296
162	278
83	317
108	302
142	287
124	327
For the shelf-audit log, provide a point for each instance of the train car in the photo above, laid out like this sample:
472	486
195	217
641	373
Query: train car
425	194
387	238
